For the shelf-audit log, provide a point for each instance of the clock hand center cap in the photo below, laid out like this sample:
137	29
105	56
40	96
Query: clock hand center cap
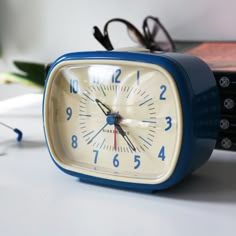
112	119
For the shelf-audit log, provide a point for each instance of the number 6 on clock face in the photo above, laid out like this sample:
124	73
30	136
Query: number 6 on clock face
127	119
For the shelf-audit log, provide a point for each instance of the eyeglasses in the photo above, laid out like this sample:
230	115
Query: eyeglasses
155	37
17	131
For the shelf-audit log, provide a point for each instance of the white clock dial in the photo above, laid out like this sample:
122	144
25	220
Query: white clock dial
114	119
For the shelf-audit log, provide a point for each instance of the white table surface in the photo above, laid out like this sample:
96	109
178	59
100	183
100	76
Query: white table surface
36	198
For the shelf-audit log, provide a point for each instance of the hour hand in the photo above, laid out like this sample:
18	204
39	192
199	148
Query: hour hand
126	138
106	110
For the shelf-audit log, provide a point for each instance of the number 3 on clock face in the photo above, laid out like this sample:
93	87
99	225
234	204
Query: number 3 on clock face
132	120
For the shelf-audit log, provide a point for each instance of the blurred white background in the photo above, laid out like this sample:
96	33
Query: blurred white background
43	30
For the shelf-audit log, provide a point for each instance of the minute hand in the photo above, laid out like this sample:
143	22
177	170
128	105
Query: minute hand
126	138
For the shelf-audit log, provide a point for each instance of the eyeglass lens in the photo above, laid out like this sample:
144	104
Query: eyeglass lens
157	36
120	34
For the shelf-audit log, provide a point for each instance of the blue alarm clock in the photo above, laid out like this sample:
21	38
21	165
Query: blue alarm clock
135	120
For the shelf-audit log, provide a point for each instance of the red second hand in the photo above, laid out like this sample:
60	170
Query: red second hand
115	137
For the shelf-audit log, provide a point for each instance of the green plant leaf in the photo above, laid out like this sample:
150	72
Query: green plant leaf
33	72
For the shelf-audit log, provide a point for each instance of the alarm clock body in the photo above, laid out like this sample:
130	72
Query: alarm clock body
133	120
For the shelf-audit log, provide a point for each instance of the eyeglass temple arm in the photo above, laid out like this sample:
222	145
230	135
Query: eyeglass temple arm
17	131
103	39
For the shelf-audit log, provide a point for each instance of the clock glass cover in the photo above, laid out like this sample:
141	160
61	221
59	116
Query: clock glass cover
115	119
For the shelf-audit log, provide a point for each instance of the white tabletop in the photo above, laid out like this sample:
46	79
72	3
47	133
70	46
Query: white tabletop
36	198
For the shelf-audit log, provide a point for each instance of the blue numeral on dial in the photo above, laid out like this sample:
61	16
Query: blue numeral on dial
137	161
96	156
74	142
163	90
68	112
116	161
169	123
74	85
138	77
115	76
162	153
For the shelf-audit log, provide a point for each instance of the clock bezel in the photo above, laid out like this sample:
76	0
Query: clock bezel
96	173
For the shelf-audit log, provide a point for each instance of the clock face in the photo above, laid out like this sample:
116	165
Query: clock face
114	119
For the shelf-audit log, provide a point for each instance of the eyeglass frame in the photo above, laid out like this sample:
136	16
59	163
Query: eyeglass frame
144	39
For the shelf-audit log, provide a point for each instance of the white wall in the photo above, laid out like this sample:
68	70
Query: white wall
41	30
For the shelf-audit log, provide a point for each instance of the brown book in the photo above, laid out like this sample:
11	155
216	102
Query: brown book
218	55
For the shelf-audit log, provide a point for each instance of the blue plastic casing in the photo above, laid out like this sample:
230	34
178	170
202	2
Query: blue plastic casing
200	108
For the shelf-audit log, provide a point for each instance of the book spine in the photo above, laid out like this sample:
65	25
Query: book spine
226	81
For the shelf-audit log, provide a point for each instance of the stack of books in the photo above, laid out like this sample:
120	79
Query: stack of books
221	57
